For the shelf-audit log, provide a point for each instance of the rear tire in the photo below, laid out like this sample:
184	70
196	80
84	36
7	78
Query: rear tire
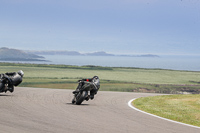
2	86
81	98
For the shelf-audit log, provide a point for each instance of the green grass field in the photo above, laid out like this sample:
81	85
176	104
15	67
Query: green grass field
112	79
182	108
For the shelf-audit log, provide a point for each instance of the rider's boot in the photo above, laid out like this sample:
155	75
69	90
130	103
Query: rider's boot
92	93
87	98
11	89
91	96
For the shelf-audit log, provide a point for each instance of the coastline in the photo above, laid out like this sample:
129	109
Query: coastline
182	63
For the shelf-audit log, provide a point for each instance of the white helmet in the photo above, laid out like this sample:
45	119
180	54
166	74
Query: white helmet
21	73
96	80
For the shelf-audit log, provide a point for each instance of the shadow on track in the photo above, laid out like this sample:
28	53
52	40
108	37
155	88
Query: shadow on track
4	95
78	105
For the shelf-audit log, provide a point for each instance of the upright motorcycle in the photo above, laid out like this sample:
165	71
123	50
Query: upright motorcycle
82	93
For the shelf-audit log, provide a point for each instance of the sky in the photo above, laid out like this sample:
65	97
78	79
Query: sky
114	26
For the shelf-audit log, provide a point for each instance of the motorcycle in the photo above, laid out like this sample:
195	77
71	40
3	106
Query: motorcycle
81	94
9	80
5	85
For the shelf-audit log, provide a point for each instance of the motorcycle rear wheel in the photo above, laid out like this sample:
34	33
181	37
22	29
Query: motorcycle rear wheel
73	100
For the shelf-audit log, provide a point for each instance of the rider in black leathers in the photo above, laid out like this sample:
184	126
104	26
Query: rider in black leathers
14	77
93	91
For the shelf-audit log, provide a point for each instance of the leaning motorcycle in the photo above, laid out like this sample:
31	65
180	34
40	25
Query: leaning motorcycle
82	93
9	80
5	84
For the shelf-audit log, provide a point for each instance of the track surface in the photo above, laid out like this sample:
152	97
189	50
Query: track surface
39	110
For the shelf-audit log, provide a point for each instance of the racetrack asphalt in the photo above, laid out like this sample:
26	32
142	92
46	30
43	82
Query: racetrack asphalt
40	110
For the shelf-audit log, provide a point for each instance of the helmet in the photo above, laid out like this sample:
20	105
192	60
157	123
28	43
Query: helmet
96	81
21	73
95	77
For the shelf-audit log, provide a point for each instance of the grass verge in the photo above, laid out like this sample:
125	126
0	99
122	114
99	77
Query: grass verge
181	108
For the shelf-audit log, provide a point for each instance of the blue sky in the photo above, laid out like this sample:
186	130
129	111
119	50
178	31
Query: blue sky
114	26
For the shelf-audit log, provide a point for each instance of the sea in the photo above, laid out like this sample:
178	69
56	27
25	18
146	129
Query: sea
173	62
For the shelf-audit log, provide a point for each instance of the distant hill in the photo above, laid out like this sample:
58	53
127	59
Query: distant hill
7	54
54	52
101	53
143	55
75	53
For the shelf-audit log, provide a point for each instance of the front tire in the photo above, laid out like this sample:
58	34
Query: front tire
81	97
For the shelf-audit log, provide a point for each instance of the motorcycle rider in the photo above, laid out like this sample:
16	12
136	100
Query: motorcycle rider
93	91
15	78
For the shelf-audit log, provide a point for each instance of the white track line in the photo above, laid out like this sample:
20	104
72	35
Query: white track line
130	105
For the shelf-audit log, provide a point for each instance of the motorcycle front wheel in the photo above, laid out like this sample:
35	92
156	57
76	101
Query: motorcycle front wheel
80	97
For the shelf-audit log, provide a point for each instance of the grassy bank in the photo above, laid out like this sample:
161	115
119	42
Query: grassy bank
112	79
182	108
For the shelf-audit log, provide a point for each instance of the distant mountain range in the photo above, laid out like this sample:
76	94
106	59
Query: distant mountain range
75	53
8	54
